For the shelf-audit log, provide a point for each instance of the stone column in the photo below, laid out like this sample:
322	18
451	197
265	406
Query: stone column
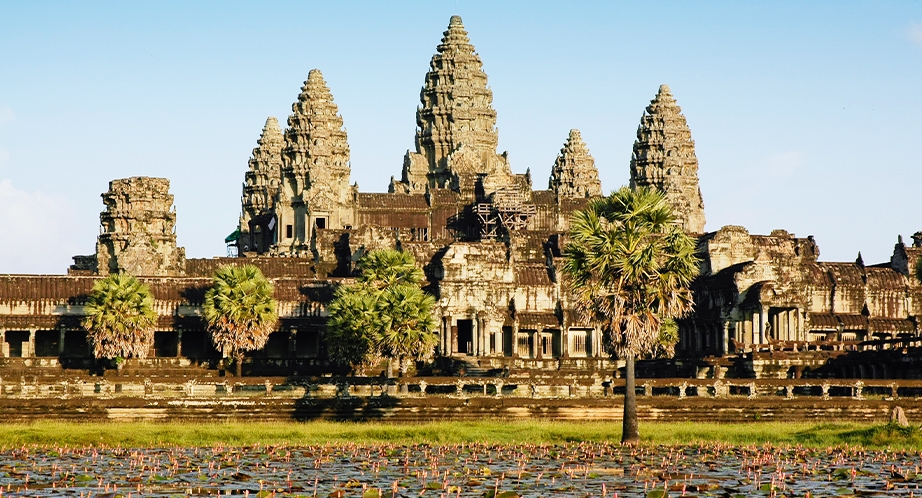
539	349
31	352
763	321
179	342
477	345
62	331
722	345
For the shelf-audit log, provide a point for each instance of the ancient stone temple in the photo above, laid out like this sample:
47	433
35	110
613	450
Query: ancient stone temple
489	243
664	158
139	229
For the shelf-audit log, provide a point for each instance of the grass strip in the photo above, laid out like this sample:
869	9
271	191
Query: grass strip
153	434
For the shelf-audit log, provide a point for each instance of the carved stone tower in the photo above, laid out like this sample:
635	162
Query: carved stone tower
261	186
664	158
456	138
138	229
315	168
574	174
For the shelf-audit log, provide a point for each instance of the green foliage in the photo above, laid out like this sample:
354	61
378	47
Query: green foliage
667	339
120	317
240	310
158	434
385	314
630	266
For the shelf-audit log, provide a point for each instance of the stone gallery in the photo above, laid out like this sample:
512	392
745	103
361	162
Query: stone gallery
489	242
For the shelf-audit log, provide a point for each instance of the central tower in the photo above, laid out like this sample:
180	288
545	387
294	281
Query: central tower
456	136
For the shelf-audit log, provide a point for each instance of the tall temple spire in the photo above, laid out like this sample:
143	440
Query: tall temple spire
664	158
315	142
456	113
574	173
315	167
264	174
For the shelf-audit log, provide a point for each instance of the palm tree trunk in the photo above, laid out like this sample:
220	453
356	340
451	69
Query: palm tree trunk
630	433
238	364
390	368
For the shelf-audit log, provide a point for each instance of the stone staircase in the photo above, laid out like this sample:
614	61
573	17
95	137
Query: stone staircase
467	366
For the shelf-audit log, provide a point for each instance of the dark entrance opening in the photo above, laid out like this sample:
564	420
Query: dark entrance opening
307	344
46	342
166	344
466	336
15	338
195	344
277	345
75	344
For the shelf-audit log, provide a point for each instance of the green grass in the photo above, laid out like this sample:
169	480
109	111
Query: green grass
145	434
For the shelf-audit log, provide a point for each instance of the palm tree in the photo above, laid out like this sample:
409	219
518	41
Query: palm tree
408	327
384	315
240	311
120	318
630	267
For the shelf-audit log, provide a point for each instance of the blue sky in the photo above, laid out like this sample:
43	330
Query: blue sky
807	116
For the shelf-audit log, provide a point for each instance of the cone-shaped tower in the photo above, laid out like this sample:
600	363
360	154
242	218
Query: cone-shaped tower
574	174
265	169
315	167
261	187
664	158
456	134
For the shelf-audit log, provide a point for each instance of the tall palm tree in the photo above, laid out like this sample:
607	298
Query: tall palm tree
384	315
120	317
240	311
630	267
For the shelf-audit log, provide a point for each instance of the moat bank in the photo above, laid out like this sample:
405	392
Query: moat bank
413	400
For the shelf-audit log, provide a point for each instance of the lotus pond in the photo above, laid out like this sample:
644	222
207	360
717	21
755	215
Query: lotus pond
469	469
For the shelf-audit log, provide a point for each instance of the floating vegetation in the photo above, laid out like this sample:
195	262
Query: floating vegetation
474	470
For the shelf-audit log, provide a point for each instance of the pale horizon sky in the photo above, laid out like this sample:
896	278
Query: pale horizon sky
807	116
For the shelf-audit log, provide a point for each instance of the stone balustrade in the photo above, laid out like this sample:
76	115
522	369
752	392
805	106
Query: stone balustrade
457	387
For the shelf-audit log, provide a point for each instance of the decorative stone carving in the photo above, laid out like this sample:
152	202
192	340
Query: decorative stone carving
262	182
456	110
138	229
664	158
574	174
315	169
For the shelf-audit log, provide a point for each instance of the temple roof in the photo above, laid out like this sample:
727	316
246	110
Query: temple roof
315	141
664	158
456	103
574	173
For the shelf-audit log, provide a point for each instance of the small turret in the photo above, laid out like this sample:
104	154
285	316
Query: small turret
574	174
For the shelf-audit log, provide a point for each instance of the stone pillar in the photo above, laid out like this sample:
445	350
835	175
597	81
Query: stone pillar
477	346
62	331
597	349
539	344
31	352
179	342
763	321
722	347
